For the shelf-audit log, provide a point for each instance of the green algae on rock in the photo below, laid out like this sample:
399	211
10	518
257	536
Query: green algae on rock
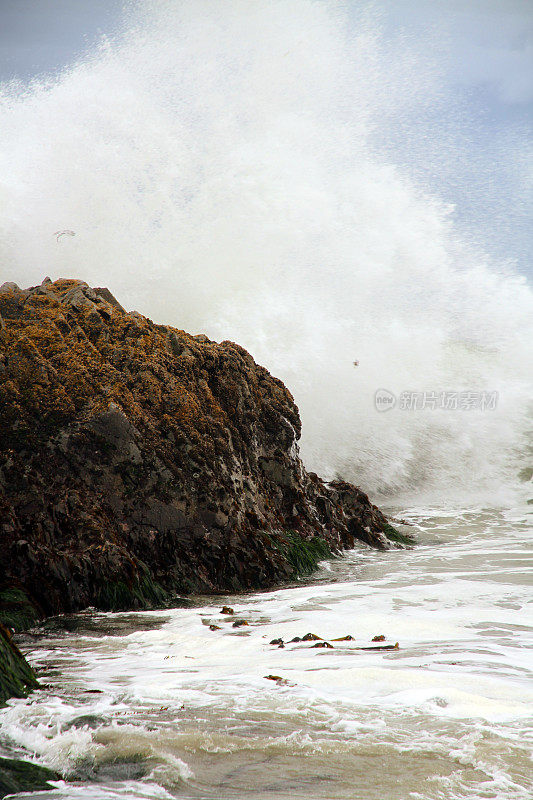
17	611
22	776
303	555
138	462
400	537
16	676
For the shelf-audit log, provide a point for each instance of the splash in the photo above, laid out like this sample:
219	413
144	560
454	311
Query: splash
220	171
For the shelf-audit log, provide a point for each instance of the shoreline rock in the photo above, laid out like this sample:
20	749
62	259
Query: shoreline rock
138	462
18	776
16	676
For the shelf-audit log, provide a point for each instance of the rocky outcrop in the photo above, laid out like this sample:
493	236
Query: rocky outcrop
138	461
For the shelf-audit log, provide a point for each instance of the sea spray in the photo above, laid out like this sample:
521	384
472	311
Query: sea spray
219	172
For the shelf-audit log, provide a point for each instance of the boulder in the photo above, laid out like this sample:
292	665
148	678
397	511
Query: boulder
138	462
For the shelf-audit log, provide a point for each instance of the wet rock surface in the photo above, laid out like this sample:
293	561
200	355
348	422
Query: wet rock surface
138	462
23	776
16	676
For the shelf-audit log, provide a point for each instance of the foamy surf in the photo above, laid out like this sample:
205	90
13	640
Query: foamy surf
160	698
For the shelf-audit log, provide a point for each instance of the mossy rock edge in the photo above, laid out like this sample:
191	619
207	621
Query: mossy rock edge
17	610
142	593
16	676
23	776
302	555
394	535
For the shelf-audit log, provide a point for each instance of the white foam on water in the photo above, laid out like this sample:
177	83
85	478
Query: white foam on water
456	696
128	790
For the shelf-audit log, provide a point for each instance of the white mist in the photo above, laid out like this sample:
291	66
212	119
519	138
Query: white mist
216	163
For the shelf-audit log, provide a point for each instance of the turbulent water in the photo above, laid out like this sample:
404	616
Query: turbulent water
234	173
184	711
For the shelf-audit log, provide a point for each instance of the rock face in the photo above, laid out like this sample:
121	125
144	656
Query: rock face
138	461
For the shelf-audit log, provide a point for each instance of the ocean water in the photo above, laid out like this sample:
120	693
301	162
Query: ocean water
158	705
236	173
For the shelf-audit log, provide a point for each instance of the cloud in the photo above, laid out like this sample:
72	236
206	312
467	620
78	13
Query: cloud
484	42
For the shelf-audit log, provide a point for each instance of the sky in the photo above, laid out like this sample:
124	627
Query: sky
38	36
473	145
